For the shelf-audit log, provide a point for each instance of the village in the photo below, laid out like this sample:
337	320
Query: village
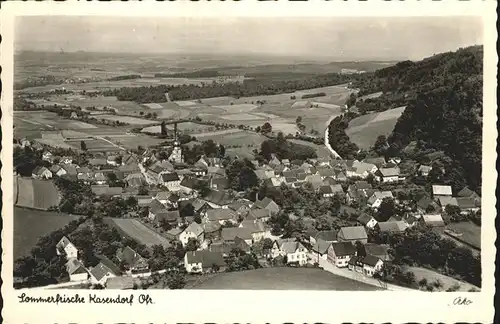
197	209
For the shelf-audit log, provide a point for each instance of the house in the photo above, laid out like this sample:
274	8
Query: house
135	180
426	204
195	231
155	208
340	176
388	175
98	162
204	261
285	162
339	253
173	234
76	270
274	161
467	205
368	265
66	160
47	156
367	220
171	217
444	201
171	181
393	227
65	247
219	183
228	234
314	180
423	170
327	236
216	171
111	160
57	170
166	197
321	248
267	203
189	185
467	193
331	190
376	199
294	252
258	214
240	208
104	270
256	229
129	159
377	161
325	172
212	230
132	260
360	170
380	251
218	199
106	190
221	215
70	169
441	191
352	234
435	220
99	178
41	172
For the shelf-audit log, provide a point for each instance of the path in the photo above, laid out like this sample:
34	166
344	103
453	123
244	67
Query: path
61	285
344	272
219	132
327	143
114	144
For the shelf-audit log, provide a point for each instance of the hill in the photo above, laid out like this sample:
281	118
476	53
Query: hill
443	99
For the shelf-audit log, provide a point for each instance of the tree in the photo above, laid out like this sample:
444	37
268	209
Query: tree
386	210
192	244
163	128
380	147
83	146
221	151
266	128
175	280
298	120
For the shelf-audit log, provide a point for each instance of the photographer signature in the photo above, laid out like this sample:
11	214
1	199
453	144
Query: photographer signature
462	301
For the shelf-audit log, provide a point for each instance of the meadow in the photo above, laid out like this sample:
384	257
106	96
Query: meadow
283	278
364	130
468	232
36	193
30	225
432	276
138	231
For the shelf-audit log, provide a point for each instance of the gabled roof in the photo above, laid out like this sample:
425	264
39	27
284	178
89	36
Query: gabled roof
327	236
466	192
253	226
378	250
466	202
362	185
424	202
364	219
170	177
379	195
389	172
222	182
441	190
63	243
447	200
229	233
343	248
155	206
291	247
377	161
220	214
105	190
189	182
167	215
206	258
74	266
194	228
435	220
392	227
39	170
103	267
98	161
264	203
129	256
353	233
211	227
70	169
362	167
218	197
321	246
370	260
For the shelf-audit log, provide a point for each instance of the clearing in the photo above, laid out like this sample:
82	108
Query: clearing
364	130
468	232
30	225
432	276
138	231
283	279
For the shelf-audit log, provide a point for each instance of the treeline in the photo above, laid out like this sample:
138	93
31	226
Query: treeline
428	249
247	88
125	77
338	138
313	95
285	150
194	74
38	82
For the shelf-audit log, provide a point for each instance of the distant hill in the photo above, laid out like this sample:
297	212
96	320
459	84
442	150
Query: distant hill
443	95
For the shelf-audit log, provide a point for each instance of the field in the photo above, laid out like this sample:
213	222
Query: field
321	150
283	279
127	119
432	276
470	233
364	130
35	193
136	230
30	225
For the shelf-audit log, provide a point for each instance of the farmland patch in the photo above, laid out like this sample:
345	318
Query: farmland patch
185	103
126	119
153	106
237	108
36	193
242	117
138	231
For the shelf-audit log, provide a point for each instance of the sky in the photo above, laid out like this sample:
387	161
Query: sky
332	38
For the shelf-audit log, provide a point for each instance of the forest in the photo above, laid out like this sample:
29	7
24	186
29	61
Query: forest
443	95
247	88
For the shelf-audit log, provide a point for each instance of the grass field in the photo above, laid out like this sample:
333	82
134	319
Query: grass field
36	193
283	279
30	225
432	276
136	230
470	233
321	150
235	137
364	130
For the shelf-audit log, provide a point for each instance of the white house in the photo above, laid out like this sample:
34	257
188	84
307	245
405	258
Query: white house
194	230
41	172
58	170
339	253
65	247
256	228
76	270
204	261
388	175
103	271
171	181
367	265
367	220
295	252
376	199
361	170
47	156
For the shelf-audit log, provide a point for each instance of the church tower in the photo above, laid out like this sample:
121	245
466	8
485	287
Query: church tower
176	156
